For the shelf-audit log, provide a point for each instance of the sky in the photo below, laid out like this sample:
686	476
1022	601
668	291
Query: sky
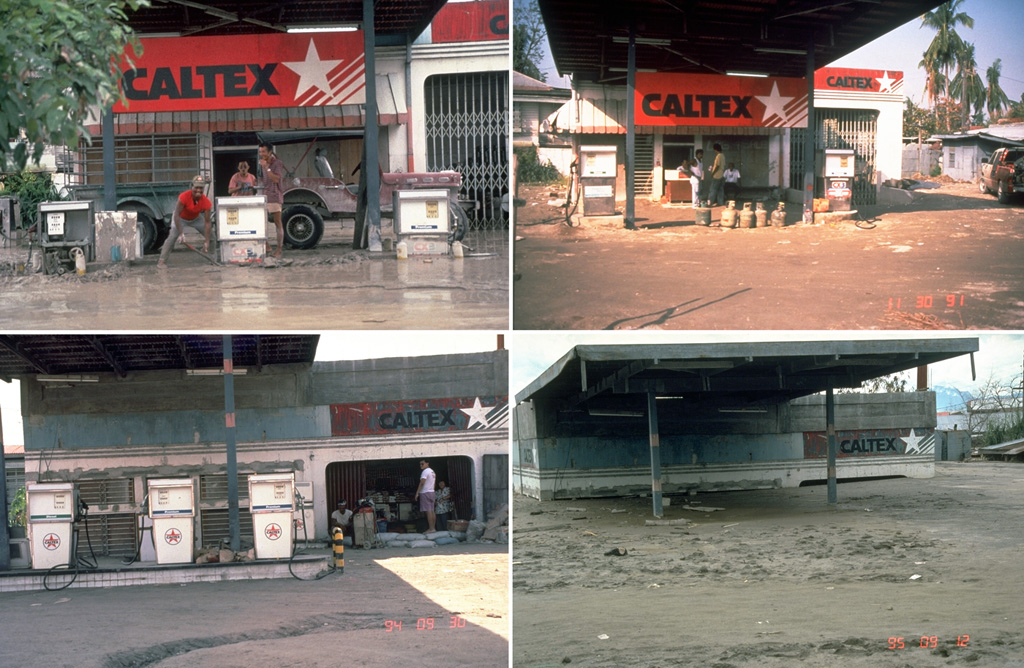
997	33
332	346
999	355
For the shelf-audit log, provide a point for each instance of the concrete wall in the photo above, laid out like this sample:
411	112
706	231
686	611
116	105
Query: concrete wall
611	456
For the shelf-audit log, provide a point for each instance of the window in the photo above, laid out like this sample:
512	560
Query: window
952	157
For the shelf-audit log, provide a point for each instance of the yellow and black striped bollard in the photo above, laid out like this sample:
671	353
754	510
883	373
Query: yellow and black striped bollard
339	550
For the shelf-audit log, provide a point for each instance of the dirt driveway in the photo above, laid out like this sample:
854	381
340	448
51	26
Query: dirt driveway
328	287
392	607
776	578
950	259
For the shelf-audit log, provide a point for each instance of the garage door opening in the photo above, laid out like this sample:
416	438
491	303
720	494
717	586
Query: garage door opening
391	485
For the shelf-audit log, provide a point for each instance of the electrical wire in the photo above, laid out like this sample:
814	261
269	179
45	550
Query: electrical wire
305	537
77	563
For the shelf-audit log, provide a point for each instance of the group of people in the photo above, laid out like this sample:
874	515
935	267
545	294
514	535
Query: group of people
714	185
435	501
194	207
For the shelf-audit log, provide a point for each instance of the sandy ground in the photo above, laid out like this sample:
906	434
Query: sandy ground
950	259
327	287
777	578
391	607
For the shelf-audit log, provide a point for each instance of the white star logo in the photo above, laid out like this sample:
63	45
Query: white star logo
312	71
885	83
914	443
774	104
477	414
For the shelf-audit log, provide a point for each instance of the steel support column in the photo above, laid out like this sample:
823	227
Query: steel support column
631	138
652	428
810	138
109	166
830	430
5	543
372	163
234	526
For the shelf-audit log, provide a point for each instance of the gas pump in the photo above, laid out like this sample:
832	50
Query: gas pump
422	221
172	510
242	228
598	168
52	509
271	502
67	232
839	173
302	519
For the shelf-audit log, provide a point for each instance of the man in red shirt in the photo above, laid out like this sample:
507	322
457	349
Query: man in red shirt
273	174
191	203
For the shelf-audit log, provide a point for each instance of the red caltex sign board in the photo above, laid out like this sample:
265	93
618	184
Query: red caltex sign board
245	72
866	81
470	22
665	99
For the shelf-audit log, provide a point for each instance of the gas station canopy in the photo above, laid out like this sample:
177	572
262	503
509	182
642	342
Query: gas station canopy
231	17
30	354
589	40
726	375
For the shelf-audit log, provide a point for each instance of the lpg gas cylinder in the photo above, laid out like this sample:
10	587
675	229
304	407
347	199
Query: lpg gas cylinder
761	215
746	216
729	214
779	216
702	215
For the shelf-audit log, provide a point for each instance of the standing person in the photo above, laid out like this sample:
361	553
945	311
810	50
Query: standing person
443	505
190	204
323	168
732	182
716	196
242	183
425	494
273	175
695	170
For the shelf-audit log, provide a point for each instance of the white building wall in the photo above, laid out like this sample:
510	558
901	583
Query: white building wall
889	140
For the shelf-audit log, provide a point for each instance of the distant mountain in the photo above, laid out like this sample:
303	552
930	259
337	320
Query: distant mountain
949	399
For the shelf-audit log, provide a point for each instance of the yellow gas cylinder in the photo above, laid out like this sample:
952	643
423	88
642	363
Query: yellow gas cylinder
761	215
779	216
79	256
746	216
729	214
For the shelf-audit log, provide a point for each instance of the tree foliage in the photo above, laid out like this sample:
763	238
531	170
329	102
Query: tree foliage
967	86
530	170
528	36
942	54
918	121
995	97
57	59
31	188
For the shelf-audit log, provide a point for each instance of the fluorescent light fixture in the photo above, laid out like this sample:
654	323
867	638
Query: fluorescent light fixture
597	412
68	378
743	410
787	52
339	28
624	69
758	75
214	372
648	41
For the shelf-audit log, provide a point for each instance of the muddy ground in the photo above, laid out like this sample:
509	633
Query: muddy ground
456	595
776	578
331	286
949	259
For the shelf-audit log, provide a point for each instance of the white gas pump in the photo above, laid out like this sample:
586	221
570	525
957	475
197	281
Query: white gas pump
598	169
839	174
51	514
422	220
172	509
302	519
242	228
271	502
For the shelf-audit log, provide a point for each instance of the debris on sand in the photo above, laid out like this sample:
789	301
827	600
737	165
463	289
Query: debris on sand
616	552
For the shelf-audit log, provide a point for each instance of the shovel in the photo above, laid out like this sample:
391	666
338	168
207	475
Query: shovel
205	256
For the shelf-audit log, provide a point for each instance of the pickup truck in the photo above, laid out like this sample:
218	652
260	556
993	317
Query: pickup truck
1003	174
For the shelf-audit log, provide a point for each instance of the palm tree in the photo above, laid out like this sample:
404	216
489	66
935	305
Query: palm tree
995	98
941	53
967	85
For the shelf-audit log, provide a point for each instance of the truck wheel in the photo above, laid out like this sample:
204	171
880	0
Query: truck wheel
1004	195
149	231
459	222
303	226
982	188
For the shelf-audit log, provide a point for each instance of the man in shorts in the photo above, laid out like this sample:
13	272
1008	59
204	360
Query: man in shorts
425	494
191	203
273	177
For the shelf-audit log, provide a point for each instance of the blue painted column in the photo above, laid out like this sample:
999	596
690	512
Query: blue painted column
371	131
652	428
109	165
810	138
5	545
830	430
229	432
631	131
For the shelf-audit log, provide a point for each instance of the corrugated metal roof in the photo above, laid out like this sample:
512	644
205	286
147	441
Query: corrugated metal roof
57	354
